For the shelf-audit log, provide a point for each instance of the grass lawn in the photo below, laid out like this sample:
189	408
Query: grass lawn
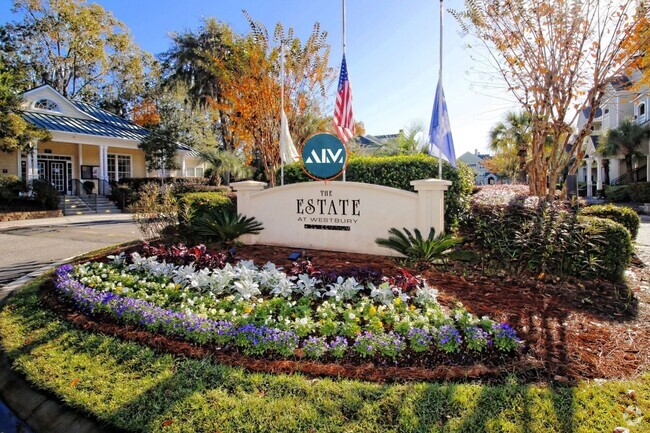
132	387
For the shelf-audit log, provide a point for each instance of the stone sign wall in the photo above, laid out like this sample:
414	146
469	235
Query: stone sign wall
339	216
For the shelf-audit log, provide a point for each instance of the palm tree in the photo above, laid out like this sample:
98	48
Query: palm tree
410	140
515	132
224	162
626	140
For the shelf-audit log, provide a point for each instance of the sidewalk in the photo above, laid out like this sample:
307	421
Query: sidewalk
65	220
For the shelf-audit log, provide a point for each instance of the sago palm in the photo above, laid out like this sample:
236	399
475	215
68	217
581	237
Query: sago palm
420	250
224	226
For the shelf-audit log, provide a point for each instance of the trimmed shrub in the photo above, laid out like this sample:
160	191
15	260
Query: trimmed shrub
10	188
639	192
45	194
186	187
611	245
136	183
520	233
622	215
398	171
617	193
204	202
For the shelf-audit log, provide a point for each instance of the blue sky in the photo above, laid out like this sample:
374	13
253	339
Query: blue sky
392	53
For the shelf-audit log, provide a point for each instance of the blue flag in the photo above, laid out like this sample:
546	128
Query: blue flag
440	130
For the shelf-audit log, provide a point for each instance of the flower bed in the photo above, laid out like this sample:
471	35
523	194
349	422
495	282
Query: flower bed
356	314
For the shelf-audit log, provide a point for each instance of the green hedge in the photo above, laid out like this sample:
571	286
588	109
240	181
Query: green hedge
10	188
617	193
135	183
622	215
612	245
201	202
639	192
550	238
398	172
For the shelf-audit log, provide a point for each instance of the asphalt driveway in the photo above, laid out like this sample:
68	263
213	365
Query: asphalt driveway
26	246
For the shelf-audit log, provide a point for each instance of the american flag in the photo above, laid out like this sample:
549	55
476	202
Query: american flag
343	117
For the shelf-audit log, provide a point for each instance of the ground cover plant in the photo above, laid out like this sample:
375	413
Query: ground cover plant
354	314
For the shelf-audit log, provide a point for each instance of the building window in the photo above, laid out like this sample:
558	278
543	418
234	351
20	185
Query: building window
119	166
641	109
46	104
194	172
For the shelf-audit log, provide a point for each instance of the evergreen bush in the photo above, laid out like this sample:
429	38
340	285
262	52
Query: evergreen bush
617	193
45	194
204	202
611	245
639	192
519	233
622	215
10	188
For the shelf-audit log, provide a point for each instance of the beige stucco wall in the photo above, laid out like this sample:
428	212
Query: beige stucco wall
8	163
137	160
339	216
89	156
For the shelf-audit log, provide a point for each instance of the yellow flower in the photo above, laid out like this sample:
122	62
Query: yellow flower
247	310
398	301
372	311
411	307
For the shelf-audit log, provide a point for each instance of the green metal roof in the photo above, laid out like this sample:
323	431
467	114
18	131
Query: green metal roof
106	125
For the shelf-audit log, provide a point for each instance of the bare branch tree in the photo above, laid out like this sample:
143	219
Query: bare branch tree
556	58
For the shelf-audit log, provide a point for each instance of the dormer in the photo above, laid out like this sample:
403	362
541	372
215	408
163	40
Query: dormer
46	100
46	105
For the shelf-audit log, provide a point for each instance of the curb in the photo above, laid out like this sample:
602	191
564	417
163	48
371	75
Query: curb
40	411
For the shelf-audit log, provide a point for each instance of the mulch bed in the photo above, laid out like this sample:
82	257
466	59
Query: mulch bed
572	329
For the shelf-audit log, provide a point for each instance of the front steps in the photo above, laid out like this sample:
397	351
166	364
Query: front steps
74	205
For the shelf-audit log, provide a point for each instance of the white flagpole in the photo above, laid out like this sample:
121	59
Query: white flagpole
281	109
344	55
440	96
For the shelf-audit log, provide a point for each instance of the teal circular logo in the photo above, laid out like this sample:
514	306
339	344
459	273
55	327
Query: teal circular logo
324	156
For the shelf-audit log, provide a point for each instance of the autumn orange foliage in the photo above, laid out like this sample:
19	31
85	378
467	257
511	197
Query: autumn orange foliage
146	113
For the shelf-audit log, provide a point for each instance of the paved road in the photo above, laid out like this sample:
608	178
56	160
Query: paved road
26	246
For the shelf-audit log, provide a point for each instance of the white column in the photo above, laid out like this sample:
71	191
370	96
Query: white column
29	173
19	166
103	162
80	154
647	164
35	160
183	165
431	203
599	173
589	189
